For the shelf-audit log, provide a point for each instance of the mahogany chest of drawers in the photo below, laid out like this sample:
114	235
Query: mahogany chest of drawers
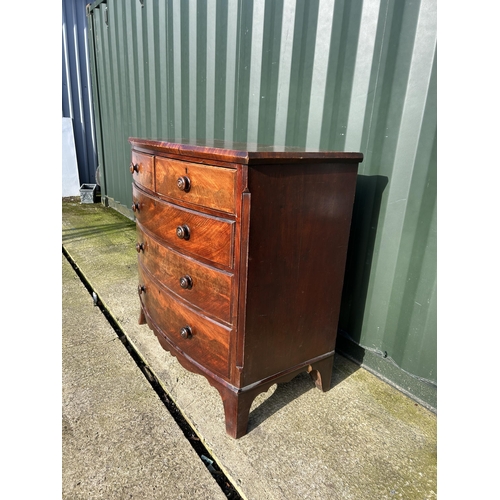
241	256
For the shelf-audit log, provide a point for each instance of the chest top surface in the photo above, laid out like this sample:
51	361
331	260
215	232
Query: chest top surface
242	152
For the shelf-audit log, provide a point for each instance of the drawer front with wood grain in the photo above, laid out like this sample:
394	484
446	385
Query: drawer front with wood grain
205	341
204	185
197	234
203	286
142	169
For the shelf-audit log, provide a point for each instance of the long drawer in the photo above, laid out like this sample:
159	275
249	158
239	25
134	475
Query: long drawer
194	233
203	286
204	185
205	341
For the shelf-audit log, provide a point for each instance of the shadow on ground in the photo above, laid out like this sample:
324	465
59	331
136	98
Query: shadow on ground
281	395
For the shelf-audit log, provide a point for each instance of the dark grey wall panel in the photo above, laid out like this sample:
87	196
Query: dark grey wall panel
76	86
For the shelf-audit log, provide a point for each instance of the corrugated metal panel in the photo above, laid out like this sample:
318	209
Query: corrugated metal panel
76	88
339	74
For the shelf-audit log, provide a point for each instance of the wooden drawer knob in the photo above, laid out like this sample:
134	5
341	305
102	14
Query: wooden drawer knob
183	183
182	232
139	247
134	167
186	332
135	207
141	289
186	282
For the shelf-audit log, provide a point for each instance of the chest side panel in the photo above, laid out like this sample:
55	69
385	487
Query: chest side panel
299	229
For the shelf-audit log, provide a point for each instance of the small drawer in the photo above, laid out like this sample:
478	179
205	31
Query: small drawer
142	169
203	286
205	341
204	185
197	234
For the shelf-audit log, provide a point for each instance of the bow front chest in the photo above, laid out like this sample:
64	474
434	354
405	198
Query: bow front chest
241	257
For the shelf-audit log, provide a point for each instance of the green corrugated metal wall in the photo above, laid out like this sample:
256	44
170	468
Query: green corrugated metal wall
346	75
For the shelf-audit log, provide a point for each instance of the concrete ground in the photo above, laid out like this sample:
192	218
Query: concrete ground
360	440
118	439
